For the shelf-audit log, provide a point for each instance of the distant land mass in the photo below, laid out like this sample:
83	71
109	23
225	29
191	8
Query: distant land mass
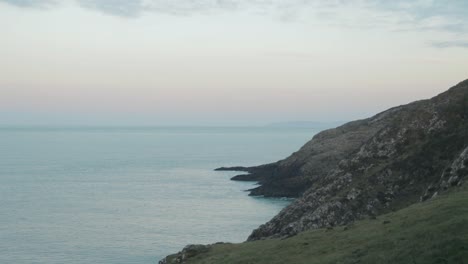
306	124
405	167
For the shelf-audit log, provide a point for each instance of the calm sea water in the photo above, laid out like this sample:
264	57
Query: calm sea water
130	195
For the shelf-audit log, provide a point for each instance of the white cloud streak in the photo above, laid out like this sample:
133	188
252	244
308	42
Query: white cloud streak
399	15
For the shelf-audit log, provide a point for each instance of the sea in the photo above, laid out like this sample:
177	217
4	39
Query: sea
130	194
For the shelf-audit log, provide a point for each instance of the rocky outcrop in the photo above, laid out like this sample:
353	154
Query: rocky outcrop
401	156
188	252
453	175
294	175
370	166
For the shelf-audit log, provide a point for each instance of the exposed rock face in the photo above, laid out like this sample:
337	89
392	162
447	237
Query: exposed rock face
367	167
186	253
451	176
294	175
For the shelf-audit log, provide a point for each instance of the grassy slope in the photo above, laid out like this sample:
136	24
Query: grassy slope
435	231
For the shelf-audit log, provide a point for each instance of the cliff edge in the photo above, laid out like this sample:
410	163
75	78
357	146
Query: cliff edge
379	167
369	167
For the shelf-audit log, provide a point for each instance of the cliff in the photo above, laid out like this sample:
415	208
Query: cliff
369	167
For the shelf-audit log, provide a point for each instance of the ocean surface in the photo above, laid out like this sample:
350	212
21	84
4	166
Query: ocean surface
130	195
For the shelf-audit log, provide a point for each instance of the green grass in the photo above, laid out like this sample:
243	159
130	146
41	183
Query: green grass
435	231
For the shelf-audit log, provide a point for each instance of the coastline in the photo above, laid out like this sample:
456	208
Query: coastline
366	168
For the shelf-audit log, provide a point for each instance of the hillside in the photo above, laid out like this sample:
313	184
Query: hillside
369	167
435	231
362	170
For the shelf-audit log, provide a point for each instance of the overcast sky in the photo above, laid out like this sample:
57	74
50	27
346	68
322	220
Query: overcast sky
224	62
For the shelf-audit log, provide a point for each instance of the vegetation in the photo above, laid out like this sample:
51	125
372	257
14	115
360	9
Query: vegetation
435	231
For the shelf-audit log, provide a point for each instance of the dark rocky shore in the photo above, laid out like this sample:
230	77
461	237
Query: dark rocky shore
368	167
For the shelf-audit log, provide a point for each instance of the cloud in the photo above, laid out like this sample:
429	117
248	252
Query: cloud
115	7
438	15
31	3
396	15
173	7
450	44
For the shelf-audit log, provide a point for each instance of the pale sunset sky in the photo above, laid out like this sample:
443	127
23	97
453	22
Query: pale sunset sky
223	62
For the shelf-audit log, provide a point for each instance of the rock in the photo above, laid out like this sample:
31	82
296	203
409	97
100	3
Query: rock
237	168
453	180
364	168
193	250
370	166
451	176
353	193
246	177
188	252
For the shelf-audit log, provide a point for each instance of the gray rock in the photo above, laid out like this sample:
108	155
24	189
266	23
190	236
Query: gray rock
188	252
370	166
365	168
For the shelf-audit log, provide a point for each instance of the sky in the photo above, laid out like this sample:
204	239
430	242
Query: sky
223	62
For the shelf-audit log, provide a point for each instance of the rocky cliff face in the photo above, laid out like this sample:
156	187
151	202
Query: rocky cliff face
403	155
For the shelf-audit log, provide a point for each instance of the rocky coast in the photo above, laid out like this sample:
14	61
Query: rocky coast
367	168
